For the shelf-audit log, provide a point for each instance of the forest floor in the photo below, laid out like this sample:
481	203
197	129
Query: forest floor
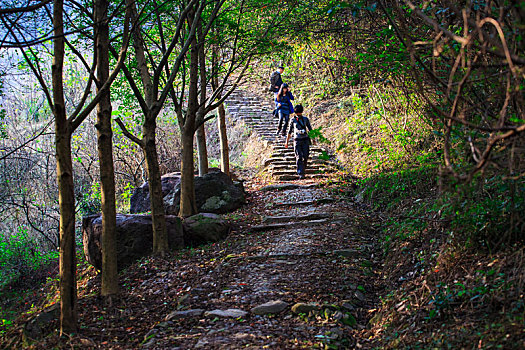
307	265
301	242
292	243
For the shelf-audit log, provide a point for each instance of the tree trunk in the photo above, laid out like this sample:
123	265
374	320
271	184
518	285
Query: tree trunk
188	207
160	235
105	154
66	203
202	151
66	190
149	145
223	138
201	131
221	120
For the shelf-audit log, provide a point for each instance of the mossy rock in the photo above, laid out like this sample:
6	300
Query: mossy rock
205	227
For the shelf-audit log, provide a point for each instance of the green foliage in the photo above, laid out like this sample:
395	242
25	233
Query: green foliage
126	196
387	190
447	296
486	212
90	202
316	134
214	162
19	255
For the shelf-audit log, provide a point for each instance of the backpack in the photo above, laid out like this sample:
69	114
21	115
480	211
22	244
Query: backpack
272	78
301	132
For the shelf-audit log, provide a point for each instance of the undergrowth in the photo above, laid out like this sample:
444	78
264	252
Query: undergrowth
20	254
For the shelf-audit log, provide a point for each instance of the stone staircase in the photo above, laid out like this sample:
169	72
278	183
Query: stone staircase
256	113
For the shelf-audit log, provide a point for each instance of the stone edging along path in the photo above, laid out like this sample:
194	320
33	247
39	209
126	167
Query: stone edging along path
257	115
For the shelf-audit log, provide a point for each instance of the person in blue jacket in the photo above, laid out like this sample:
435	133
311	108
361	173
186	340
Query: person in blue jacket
284	107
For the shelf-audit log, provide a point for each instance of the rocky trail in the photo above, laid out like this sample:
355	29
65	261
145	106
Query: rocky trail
299	270
310	282
245	107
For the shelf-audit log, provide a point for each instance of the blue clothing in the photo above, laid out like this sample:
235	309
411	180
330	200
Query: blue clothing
286	103
284	118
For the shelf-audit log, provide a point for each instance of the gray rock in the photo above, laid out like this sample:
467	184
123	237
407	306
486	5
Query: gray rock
201	343
302	308
205	227
347	253
215	192
214	203
347	305
338	315
140	200
134	238
234	313
38	326
150	343
271	307
177	315
359	295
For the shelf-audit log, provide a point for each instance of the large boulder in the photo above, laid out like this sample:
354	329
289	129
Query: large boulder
204	228
42	324
215	192
134	237
140	200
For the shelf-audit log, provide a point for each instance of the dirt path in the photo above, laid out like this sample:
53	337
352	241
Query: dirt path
323	258
297	272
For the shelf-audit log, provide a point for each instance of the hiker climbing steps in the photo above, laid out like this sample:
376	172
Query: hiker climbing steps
256	113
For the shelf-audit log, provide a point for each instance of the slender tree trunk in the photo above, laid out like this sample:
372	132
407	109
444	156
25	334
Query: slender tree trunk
223	138
105	154
202	151
188	206
160	236
221	120
66	190
66	203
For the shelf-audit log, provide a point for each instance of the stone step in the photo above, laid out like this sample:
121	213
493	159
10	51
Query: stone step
294	177
292	171
304	203
277	162
292	166
291	218
278	226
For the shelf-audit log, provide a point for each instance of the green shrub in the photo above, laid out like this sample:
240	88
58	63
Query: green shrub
386	190
486	212
90	200
20	254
